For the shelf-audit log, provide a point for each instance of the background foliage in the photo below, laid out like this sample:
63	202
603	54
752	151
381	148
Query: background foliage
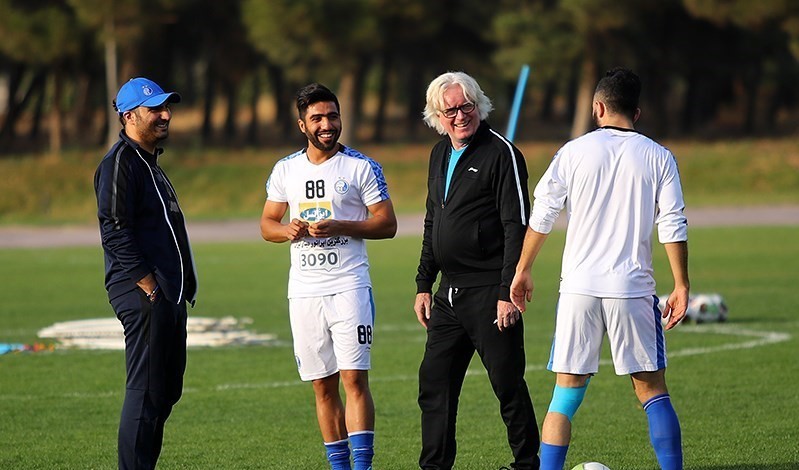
710	67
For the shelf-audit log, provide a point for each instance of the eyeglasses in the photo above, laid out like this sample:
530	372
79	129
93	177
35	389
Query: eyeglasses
450	113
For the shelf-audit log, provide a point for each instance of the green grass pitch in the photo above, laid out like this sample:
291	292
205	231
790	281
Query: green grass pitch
734	385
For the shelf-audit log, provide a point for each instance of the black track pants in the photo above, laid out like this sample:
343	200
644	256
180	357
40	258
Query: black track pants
155	357
462	322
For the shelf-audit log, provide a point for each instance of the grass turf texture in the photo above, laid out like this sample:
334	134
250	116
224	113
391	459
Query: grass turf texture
244	407
223	184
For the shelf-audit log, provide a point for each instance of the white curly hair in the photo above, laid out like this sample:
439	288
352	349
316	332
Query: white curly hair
435	97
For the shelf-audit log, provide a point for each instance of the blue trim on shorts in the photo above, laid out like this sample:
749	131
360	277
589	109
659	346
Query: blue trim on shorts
661	339
552	348
372	305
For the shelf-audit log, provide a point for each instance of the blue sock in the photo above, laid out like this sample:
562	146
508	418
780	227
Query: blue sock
664	432
363	449
553	457
338	454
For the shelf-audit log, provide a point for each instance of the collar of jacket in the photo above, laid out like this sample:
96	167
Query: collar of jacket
151	158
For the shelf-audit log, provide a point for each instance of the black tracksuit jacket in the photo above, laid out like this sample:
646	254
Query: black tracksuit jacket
474	237
141	225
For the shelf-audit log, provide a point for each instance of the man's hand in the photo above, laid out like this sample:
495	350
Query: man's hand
422	307
324	228
676	306
507	315
521	289
148	284
296	229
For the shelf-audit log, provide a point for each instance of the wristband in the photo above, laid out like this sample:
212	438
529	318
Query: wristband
151	295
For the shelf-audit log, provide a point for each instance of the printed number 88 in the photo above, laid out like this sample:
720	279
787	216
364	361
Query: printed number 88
365	334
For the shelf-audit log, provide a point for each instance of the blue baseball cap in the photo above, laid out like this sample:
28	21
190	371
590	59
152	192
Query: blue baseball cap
141	91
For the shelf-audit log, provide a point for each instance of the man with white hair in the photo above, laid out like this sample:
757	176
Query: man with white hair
477	210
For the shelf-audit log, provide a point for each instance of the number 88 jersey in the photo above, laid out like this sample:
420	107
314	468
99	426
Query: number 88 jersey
341	188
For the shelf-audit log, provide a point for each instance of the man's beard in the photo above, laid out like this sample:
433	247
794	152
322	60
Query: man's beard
319	145
151	133
156	135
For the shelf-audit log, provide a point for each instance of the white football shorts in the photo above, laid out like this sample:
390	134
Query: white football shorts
332	332
635	334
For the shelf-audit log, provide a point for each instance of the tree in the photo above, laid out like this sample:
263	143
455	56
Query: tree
765	32
560	38
331	42
118	27
44	37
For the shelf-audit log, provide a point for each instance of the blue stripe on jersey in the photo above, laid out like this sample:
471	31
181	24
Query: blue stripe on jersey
376	169
661	339
287	157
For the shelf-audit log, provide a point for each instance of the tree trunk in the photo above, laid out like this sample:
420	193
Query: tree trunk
56	131
346	99
416	92
689	115
38	112
7	133
585	94
208	104
232	109
751	85
111	82
359	88
79	129
252	129
283	118
382	95
548	101
12	108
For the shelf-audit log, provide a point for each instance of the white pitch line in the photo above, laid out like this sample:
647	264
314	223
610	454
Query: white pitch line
762	338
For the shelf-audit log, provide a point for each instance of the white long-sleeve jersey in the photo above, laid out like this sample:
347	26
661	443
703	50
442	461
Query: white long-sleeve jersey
616	186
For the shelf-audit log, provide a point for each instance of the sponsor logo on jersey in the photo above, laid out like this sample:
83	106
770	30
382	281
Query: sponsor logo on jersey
341	186
316	211
471	168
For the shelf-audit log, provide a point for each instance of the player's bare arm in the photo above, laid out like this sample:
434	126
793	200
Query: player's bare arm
521	289
381	224
677	304
274	230
422	307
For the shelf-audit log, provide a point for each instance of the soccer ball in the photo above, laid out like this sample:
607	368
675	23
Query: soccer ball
702	308
591	466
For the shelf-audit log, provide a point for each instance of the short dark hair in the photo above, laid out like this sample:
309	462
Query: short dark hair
314	93
620	90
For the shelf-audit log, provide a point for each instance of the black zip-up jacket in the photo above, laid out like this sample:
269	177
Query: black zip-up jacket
141	225
474	237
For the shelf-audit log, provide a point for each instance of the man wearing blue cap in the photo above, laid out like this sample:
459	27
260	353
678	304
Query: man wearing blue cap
149	269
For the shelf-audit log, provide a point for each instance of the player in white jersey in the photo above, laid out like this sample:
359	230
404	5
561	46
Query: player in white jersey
336	197
616	185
